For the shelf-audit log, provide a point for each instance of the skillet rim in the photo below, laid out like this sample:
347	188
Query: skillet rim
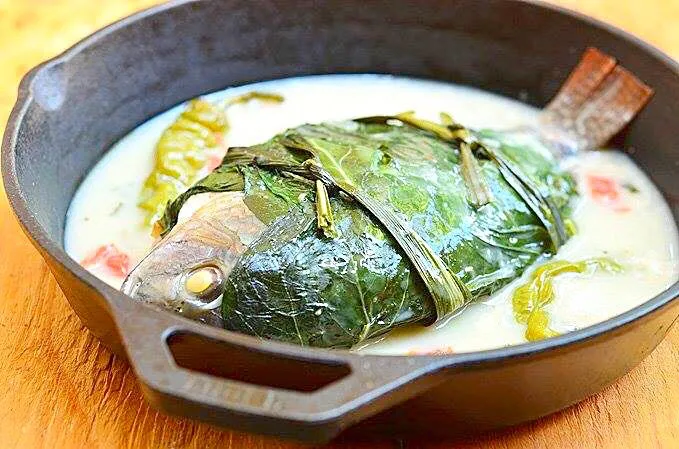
116	301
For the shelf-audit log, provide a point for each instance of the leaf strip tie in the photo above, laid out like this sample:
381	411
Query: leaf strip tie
543	207
326	222
479	192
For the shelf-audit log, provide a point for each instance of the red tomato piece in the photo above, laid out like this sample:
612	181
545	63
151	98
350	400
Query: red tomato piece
622	209
219	137
215	160
116	262
603	189
437	351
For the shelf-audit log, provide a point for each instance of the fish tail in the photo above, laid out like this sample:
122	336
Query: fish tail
597	101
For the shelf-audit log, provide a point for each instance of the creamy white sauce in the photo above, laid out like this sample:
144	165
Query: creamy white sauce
637	231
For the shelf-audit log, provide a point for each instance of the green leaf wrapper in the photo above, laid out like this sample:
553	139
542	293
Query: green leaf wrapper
409	246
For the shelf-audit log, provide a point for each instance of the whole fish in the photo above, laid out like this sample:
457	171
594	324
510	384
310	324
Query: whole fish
330	234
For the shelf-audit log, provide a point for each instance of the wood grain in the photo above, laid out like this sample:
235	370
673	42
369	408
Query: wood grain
60	389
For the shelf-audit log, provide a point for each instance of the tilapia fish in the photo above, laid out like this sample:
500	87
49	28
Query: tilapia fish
330	234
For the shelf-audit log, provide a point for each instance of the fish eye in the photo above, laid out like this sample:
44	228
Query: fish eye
205	283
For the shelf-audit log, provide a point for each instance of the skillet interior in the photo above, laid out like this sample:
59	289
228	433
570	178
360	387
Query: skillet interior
73	108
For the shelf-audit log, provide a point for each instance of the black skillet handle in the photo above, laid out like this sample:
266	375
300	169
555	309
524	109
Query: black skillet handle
359	387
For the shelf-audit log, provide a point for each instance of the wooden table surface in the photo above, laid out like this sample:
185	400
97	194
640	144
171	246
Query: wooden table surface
59	388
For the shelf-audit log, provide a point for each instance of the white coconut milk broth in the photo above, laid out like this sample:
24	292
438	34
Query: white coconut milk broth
636	229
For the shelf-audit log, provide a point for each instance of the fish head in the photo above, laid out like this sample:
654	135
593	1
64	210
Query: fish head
186	272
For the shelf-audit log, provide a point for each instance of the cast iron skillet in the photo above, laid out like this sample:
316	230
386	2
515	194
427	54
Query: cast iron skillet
72	108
